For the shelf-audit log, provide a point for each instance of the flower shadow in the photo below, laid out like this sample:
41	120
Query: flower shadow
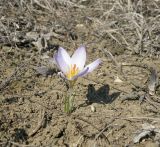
100	96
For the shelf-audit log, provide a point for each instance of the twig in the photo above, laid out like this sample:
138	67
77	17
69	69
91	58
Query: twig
21	145
155	104
106	127
94	127
135	118
136	85
9	79
39	4
39	124
145	66
78	142
120	67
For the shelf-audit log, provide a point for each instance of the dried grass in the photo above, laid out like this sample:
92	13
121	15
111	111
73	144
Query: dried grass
132	24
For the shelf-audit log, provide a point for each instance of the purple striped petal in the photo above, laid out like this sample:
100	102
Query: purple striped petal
79	57
93	65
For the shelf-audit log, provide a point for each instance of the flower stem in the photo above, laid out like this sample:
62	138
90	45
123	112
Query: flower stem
68	106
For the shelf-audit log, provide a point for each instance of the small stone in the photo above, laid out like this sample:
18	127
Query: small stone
118	80
93	108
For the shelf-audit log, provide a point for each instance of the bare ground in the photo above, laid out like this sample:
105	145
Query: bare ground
113	105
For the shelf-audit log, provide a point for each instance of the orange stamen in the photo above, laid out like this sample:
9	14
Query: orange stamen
73	71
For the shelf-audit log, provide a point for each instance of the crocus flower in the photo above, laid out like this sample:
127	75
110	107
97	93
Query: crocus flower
73	67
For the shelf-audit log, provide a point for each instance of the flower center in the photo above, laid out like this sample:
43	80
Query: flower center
73	71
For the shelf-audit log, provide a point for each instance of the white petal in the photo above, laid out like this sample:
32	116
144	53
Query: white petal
55	60
93	65
63	60
79	57
62	52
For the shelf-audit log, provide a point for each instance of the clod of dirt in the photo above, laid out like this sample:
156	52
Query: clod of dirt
153	81
44	70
